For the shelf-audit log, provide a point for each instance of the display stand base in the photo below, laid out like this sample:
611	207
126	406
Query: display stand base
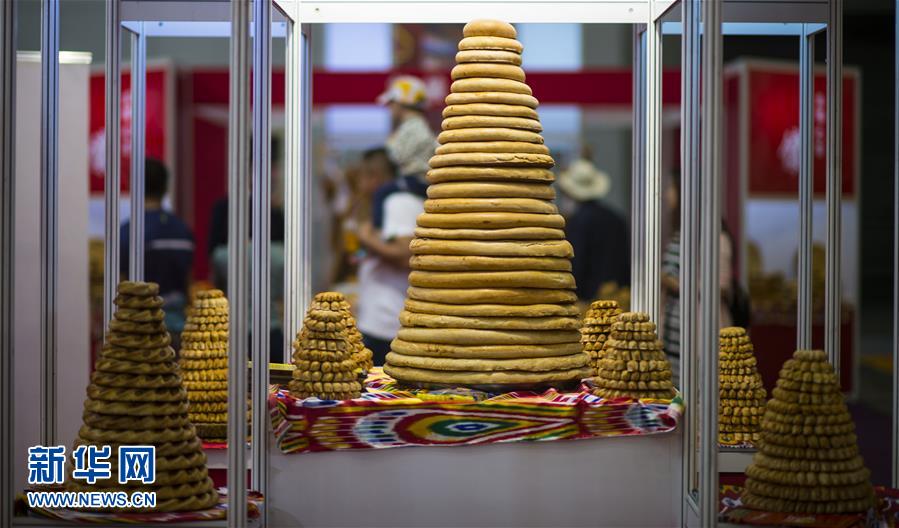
624	481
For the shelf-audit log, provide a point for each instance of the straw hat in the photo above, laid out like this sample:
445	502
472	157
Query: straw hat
583	181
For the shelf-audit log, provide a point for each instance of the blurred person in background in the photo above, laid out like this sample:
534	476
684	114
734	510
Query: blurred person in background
597	232
218	254
374	170
384	272
734	308
168	249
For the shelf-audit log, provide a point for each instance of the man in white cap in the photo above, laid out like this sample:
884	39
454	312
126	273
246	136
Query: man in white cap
384	273
597	233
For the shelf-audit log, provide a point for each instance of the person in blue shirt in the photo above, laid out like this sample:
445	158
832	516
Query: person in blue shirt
168	248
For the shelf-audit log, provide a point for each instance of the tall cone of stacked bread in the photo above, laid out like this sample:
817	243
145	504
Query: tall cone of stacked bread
597	327
491	296
741	393
136	397
808	459
323	355
204	364
336	301
633	364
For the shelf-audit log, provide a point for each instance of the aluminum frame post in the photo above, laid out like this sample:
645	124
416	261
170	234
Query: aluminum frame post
638	173
138	144
832	296
112	185
895	422
238	265
652	234
261	235
7	254
689	233
806	187
710	226
305	161
49	213
292	240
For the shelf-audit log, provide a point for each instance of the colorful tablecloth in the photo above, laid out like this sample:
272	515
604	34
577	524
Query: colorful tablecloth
386	416
216	513
886	514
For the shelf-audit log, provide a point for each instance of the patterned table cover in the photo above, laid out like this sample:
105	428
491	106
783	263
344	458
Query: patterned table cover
216	513
386	416
885	514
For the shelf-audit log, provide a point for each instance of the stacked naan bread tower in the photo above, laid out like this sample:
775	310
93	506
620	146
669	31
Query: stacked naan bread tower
632	363
808	459
136	397
204	364
491	297
597	327
323	355
741	393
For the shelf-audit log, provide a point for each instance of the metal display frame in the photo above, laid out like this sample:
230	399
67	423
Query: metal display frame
701	119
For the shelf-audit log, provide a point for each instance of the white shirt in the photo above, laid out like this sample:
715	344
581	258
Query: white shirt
382	285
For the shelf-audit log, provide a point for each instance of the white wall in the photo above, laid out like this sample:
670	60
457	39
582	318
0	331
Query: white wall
73	315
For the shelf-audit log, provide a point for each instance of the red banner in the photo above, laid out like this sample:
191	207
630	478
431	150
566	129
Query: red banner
155	130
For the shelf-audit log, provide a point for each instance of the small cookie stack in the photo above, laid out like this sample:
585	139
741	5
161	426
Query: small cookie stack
597	326
808	459
204	364
491	301
136	397
740	389
633	364
323	357
335	301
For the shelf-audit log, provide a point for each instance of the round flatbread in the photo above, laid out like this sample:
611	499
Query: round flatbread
468	336
484	378
492	28
515	174
492	310
491	159
410	348
490	220
490	84
542	248
487	205
461	98
487	69
491	56
490	43
513	233
493	146
478	263
487	279
476	121
453	364
489	109
492	295
409	319
479	190
466	135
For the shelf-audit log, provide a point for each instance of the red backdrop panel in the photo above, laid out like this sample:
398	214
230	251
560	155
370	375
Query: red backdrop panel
155	131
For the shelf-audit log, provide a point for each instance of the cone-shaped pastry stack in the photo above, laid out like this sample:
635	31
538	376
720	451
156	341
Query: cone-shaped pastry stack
633	364
361	355
323	357
808	460
204	364
741	393
597	326
491	297
136	397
